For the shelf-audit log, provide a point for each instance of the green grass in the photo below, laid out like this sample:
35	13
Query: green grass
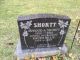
11	9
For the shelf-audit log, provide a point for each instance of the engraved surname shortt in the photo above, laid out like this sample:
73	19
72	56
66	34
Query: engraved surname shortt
45	24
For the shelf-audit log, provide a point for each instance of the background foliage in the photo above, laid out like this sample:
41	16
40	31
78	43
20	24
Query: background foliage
11	9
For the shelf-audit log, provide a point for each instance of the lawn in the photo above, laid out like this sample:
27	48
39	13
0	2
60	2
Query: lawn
11	9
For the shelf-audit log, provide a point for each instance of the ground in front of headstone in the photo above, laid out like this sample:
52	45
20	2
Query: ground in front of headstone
54	57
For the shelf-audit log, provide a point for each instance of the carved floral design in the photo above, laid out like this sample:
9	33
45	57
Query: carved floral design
25	33
25	25
62	32
63	24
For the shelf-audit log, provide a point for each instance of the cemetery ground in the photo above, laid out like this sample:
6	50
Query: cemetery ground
11	9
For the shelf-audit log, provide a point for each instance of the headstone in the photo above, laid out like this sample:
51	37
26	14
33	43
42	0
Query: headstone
43	30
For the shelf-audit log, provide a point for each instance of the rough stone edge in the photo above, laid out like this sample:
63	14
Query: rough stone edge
36	16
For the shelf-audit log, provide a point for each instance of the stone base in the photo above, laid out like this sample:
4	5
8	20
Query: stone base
39	52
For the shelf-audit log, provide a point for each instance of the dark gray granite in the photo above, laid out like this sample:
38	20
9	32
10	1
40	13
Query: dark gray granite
36	16
43	30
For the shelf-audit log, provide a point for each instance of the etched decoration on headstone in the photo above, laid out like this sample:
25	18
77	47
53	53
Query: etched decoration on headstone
43	30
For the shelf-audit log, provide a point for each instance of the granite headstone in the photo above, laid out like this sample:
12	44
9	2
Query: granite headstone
43	30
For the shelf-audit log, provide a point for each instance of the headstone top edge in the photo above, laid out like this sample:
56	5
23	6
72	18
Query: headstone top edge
36	16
